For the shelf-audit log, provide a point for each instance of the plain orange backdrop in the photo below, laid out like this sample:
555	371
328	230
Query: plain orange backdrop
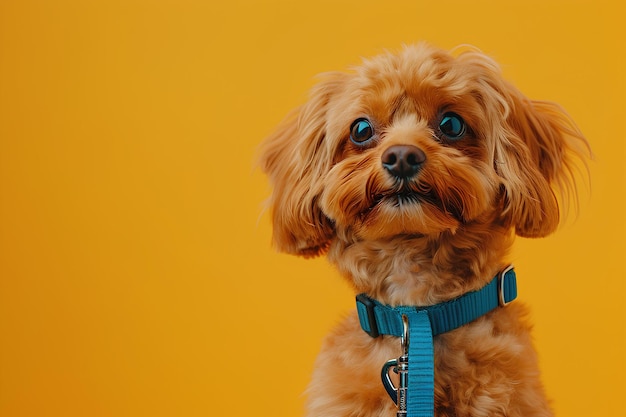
136	273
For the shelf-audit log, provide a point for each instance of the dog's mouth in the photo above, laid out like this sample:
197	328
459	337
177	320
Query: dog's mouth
406	197
397	199
403	193
401	196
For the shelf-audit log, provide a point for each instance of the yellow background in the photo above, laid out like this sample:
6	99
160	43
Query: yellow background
136	274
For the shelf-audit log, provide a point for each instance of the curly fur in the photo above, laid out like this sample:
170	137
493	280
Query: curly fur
467	203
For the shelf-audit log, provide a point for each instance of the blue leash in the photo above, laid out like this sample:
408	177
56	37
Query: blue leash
416	326
421	366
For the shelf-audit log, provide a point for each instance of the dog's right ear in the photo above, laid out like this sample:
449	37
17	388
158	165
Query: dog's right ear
296	158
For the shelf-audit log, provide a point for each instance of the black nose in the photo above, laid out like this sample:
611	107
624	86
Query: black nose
403	161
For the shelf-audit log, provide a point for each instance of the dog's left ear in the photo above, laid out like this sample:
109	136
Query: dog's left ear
532	155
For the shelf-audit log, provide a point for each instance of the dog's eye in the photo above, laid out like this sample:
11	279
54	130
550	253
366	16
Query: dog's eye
361	131
452	126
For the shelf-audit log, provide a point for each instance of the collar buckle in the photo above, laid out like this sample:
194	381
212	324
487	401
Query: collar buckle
368	304
507	288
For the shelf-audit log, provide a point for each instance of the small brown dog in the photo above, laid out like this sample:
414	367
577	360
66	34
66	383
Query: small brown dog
413	173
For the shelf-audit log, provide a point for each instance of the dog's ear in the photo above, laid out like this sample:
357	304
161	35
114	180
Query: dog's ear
532	157
535	148
296	158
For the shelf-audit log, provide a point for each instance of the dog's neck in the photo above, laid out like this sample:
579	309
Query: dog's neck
422	270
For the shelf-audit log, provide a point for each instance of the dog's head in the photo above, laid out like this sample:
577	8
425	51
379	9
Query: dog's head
418	142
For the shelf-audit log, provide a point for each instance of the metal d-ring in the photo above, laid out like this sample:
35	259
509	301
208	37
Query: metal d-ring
404	341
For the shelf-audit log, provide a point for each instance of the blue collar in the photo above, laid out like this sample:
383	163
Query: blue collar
380	319
417	326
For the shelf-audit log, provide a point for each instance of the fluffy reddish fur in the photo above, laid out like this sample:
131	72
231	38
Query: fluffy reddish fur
473	196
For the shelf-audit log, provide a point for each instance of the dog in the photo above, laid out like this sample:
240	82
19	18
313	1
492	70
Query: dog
413	173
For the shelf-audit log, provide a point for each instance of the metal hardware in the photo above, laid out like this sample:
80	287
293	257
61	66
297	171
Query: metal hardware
501	296
401	367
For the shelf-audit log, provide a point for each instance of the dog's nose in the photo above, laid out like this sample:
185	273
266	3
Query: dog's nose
403	161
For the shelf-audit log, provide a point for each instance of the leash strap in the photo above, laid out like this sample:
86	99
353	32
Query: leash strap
425	322
421	389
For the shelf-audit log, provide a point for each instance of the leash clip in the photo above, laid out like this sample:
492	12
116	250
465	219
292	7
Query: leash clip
401	367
